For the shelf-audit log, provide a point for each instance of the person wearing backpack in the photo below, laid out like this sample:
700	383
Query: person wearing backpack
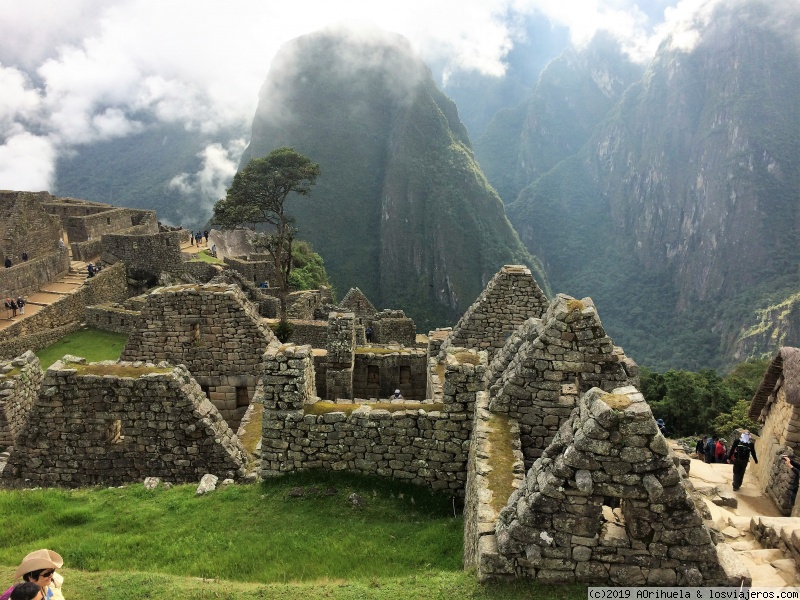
710	448
721	452
741	451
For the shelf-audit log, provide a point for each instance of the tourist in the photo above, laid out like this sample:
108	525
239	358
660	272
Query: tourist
397	395
741	450
90	269
21	305
191	238
39	568
14	308
8	262
263	285
198	238
214	251
205	235
8	308
368	332
24	256
699	447
721	452
662	427
711	448
26	591
61	245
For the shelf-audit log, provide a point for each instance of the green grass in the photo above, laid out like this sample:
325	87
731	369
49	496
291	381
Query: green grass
205	256
252	541
425	585
92	344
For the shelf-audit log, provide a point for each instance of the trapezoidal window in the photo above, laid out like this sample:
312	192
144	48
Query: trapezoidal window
114	432
405	375
373	375
242	398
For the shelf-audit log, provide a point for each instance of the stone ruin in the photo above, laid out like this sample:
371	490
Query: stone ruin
114	423
605	504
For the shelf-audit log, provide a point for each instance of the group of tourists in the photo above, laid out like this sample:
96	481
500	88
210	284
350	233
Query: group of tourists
713	450
39	578
93	269
198	236
12	306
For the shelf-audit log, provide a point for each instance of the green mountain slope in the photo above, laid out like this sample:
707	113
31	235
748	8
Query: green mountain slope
681	211
401	208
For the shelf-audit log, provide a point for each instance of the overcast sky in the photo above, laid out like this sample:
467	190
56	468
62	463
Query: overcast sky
78	71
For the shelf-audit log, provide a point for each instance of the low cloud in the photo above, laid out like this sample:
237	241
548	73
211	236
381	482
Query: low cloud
26	162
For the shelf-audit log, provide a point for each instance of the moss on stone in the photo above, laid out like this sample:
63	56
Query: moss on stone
617	401
12	373
501	458
575	305
252	431
116	370
468	357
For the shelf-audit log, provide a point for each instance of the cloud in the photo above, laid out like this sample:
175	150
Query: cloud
210	183
26	162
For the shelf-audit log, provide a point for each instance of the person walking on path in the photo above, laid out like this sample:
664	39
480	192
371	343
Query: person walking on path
8	263
191	239
741	451
21	305
13	308
205	235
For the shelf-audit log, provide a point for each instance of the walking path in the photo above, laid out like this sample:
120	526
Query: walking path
49	293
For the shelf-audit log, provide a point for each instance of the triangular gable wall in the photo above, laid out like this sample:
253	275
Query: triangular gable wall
570	354
509	299
119	423
610	450
356	302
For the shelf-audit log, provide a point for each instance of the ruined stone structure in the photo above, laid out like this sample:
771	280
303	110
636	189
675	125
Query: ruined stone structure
252	269
422	442
511	297
212	330
549	363
563	524
116	423
20	380
776	404
356	302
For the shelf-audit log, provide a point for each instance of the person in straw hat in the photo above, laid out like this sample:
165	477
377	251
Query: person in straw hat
39	567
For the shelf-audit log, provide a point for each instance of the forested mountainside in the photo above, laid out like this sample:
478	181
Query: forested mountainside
679	216
136	171
401	208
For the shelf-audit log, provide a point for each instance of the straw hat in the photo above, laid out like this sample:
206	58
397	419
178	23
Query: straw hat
40	559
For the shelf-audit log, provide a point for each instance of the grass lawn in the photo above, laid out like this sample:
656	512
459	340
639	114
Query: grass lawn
205	256
92	344
293	537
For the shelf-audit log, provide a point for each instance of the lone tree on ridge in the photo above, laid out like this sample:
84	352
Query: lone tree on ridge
257	196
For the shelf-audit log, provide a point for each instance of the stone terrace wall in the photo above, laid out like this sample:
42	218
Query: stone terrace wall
36	341
495	470
511	297
378	375
86	251
110	285
25	278
211	329
20	380
112	220
568	354
110	317
414	443
112	424
556	528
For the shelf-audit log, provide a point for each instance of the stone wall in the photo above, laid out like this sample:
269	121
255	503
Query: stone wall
511	297
25	278
341	349
20	380
495	469
778	436
26	227
211	329
111	220
393	327
561	526
86	251
255	271
145	255
356	302
377	374
111	424
423	443
36	341
110	285
110	317
202	271
311	333
567	355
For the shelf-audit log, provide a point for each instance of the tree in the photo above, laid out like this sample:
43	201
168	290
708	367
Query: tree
257	196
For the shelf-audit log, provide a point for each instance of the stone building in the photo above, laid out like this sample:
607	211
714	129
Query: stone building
20	380
214	331
776	404
115	423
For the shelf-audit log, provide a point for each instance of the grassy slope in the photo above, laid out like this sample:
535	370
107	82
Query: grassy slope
92	344
133	543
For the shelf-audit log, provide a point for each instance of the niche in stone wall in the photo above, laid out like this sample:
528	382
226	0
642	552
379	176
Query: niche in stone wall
373	375
405	375
242	399
206	390
114	433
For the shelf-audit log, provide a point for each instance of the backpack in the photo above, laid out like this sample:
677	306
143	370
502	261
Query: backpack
710	447
742	453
